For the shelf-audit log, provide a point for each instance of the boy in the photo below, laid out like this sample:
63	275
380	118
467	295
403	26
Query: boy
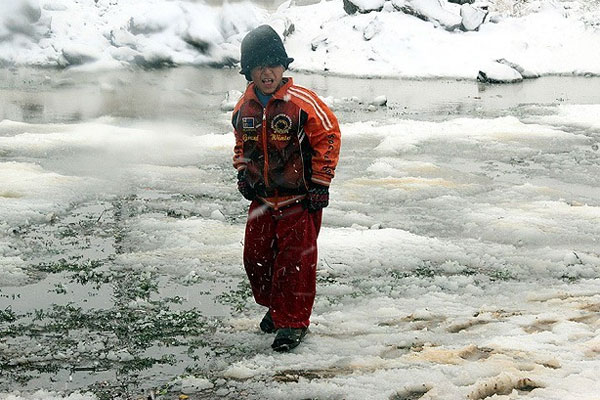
287	144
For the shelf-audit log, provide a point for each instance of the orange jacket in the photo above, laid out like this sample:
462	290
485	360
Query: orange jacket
295	139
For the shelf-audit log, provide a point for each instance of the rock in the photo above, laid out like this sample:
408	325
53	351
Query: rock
388	7
231	99
499	73
126	54
472	17
461	2
201	45
79	54
379	101
495	18
372	29
51	218
318	42
350	7
362	6
283	26
122	37
526	74
155	58
482	4
443	14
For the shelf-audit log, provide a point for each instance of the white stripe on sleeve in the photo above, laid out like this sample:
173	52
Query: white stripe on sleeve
307	97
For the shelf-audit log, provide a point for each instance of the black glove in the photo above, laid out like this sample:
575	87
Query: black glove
317	197
244	187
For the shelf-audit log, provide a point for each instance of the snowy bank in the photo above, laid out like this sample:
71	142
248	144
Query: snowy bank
393	43
113	33
395	38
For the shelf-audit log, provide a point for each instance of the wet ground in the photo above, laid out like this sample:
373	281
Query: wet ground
82	320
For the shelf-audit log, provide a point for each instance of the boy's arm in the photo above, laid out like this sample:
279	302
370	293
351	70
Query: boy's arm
239	161
324	135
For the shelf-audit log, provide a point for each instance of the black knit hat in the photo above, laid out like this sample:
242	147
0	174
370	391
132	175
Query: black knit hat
262	46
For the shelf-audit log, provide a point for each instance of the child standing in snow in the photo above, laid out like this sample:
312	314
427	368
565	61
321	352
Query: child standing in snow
287	143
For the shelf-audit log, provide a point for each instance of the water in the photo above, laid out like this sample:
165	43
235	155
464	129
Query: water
51	96
85	318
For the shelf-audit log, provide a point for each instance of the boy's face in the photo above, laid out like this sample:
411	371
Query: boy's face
267	78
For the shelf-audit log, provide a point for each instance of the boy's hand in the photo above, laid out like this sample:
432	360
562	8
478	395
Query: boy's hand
317	197
244	187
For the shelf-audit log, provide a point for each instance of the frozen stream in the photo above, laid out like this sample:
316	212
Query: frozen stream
459	257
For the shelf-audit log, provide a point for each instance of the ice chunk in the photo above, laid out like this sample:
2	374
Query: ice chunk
218	215
190	384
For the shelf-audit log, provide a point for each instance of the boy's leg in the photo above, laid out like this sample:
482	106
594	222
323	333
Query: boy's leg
259	251
295	268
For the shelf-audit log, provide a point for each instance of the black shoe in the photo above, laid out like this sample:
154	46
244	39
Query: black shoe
288	338
267	325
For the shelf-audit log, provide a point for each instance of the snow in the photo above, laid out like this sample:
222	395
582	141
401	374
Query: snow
46	395
191	384
458	255
542	38
110	34
444	13
472	17
499	73
409	47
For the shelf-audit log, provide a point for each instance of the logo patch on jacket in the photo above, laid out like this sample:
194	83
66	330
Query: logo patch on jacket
248	124
281	124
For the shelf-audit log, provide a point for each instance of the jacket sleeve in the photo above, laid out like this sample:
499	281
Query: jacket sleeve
324	136
239	162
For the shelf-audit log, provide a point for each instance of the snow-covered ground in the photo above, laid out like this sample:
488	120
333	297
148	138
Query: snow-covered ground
458	259
535	37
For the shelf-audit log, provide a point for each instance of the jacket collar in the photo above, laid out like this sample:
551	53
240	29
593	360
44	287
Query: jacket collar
279	94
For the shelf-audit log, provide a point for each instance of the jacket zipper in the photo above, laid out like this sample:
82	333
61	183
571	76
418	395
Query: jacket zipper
265	153
266	156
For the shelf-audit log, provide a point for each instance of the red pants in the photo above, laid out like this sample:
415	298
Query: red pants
280	258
